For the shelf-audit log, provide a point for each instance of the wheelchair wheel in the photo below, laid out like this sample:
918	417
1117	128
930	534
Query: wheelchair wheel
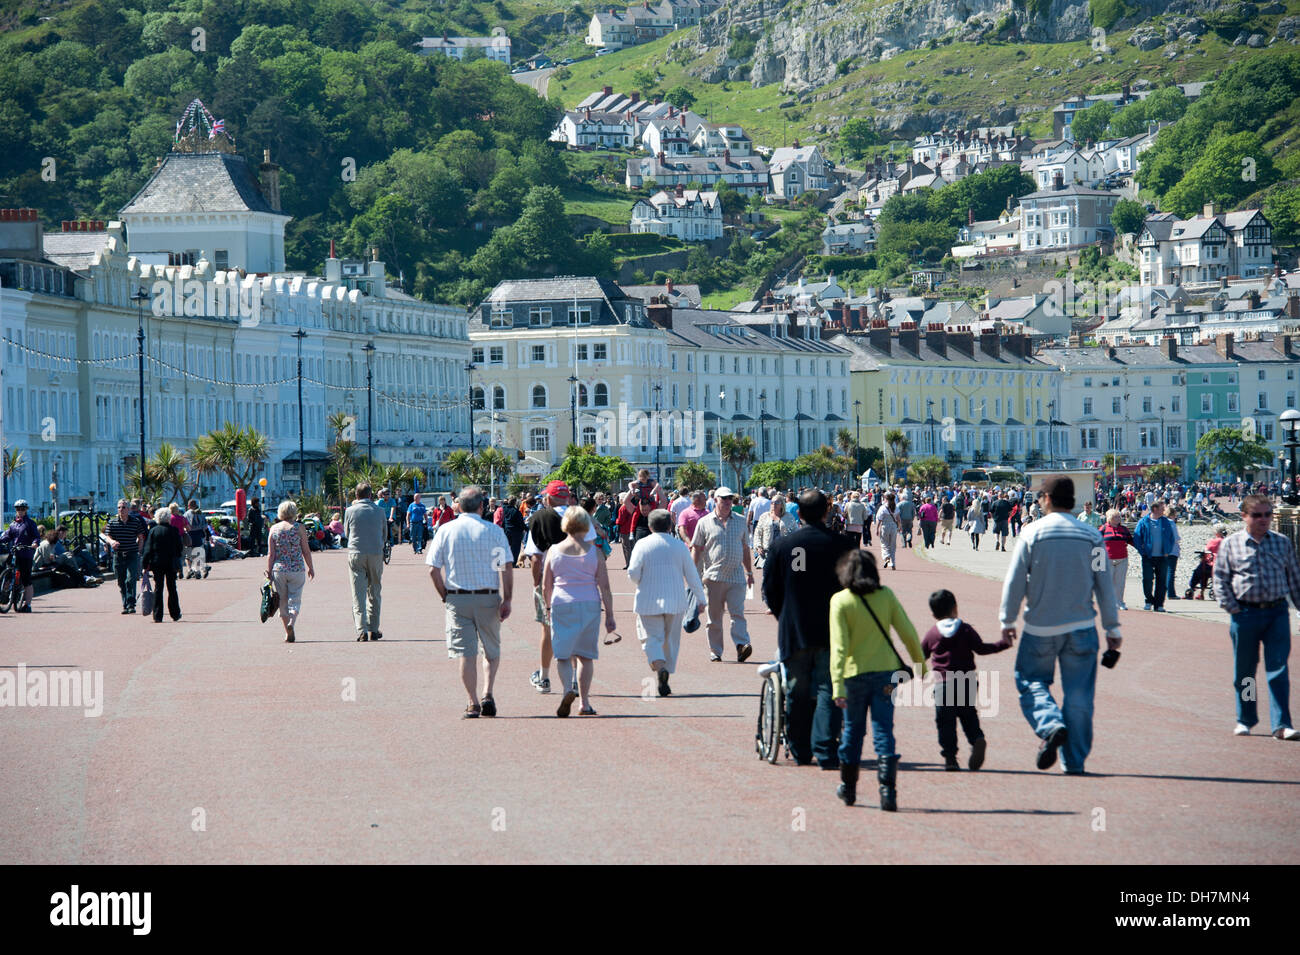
770	733
388	552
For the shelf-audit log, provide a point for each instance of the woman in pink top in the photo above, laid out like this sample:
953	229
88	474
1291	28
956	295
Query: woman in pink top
574	583
929	516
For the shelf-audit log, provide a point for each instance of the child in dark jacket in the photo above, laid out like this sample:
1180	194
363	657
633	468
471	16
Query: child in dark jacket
951	645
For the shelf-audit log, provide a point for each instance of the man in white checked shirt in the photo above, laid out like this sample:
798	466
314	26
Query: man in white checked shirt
659	565
1255	571
471	568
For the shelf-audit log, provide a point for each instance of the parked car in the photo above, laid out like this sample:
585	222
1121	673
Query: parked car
567	61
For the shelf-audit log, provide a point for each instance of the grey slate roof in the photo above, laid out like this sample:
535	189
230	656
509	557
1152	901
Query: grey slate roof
73	250
201	182
563	288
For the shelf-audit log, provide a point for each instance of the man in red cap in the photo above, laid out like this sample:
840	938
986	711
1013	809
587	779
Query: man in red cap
543	531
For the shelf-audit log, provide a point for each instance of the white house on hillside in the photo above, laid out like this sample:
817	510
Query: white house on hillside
493	47
1065	216
849	238
1206	248
687	214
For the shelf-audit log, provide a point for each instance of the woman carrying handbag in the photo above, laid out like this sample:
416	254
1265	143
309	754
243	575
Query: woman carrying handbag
865	668
288	564
162	557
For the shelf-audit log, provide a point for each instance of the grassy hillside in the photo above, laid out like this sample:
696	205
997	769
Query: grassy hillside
1018	74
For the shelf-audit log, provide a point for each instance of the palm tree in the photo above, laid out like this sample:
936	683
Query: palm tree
460	465
343	451
898	445
737	452
236	452
398	477
167	470
848	446
14	461
148	489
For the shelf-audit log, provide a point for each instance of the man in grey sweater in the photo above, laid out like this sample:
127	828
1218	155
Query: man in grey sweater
1057	568
365	525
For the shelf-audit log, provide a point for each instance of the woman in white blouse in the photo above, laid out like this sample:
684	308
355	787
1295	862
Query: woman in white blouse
772	526
659	564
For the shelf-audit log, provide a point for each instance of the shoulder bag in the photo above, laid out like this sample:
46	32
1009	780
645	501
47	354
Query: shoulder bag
901	665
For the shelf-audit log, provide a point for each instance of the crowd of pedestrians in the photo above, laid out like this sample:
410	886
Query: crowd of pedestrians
692	556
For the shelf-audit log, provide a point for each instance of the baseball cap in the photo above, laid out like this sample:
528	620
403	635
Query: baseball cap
557	489
724	491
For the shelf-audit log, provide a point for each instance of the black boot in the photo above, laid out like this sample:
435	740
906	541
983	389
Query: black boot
848	788
886	774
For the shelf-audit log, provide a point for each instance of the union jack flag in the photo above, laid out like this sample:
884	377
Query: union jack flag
218	127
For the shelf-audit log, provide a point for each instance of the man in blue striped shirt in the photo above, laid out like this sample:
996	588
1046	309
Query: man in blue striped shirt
1254	573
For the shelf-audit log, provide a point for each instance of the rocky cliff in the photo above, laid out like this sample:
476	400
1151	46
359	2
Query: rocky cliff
799	43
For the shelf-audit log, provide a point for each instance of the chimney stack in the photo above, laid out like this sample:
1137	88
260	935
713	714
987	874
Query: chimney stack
962	340
909	338
936	339
1223	345
607	90
270	180
1058	181
1253	299
879	336
1292	309
660	315
1170	346
1282	344
635	96
333	267
1207	210
378	285
991	344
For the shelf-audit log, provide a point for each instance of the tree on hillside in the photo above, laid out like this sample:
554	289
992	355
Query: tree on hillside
680	97
540	241
1128	216
1090	124
1231	168
857	136
981	196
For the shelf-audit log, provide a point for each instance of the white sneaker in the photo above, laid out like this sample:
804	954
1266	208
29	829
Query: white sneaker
535	677
1123	606
1241	729
1287	732
1147	607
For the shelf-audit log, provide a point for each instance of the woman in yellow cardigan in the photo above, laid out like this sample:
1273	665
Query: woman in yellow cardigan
865	668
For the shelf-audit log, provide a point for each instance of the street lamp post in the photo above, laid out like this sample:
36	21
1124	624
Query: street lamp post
139	297
722	406
1051	431
1289	421
369	349
1162	434
469	396
573	409
657	388
857	427
302	467
762	425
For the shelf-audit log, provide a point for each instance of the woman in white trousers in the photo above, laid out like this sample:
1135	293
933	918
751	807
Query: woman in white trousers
887	527
288	564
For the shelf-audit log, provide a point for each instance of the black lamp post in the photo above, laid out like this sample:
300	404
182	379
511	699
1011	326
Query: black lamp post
1289	422
369	349
302	472
762	425
469	395
573	409
1051	431
1162	434
857	427
139	297
657	388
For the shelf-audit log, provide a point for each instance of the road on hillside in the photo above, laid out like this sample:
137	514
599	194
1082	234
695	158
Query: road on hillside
537	79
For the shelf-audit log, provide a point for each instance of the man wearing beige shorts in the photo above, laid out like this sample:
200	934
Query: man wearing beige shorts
471	568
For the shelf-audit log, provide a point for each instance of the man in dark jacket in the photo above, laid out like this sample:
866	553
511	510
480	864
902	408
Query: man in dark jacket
798	583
